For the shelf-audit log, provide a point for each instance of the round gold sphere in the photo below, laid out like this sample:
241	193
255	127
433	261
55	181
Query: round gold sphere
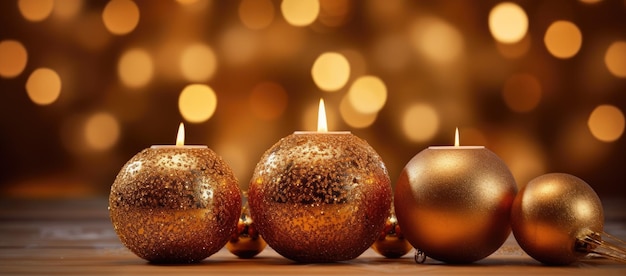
454	204
246	242
320	197
175	205
551	213
391	242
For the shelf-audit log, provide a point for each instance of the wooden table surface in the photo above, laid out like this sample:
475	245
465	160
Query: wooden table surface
75	237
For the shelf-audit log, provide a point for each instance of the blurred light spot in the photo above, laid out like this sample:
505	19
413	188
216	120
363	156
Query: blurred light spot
238	45
354	118
615	59
521	92
101	131
67	9
91	33
256	14
514	50
330	71
437	40
508	22
13	58
368	94
135	68
120	16
35	10
392	52
420	122
300	12
334	13
563	39
268	100
590	1
606	123
198	63
197	103
43	86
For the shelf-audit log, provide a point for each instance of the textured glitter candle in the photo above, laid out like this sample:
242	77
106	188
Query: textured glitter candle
175	204
454	202
320	197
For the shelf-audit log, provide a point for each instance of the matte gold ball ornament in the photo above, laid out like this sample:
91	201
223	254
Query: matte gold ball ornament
175	204
558	219
391	242
246	242
453	203
320	196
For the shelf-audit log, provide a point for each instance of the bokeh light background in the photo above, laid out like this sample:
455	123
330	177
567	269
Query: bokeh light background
85	85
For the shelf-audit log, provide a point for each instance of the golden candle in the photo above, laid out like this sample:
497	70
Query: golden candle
175	204
454	202
320	196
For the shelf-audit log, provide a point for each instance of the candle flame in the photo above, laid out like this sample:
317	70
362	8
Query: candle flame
322	125
456	137
180	137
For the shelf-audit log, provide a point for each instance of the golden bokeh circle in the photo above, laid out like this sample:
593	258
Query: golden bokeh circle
606	123
197	103
43	86
508	22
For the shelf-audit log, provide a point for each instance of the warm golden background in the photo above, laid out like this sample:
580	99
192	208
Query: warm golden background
85	85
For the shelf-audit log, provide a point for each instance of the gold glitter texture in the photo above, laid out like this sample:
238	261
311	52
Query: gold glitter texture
320	197
175	204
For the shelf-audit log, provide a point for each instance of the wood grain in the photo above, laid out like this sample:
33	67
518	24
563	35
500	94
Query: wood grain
75	237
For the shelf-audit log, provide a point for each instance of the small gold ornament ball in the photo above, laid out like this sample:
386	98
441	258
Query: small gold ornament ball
175	205
551	213
246	242
455	204
320	197
391	242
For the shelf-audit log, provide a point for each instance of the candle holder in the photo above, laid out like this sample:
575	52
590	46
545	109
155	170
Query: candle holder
175	204
453	203
320	196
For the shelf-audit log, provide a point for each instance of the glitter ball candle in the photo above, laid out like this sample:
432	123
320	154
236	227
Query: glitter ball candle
175	204
454	202
320	196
